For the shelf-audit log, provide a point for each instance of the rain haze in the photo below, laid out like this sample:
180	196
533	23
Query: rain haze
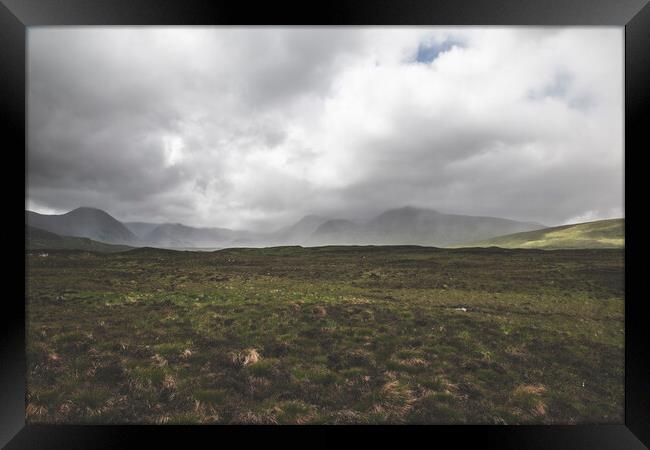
254	128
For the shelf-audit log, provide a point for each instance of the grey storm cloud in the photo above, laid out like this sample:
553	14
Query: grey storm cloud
256	127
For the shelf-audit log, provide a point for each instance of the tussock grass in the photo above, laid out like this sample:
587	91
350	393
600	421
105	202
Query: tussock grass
326	335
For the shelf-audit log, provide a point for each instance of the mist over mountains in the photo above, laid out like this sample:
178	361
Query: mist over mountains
407	225
416	226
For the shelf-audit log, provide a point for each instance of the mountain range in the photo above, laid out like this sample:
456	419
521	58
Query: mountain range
417	226
407	225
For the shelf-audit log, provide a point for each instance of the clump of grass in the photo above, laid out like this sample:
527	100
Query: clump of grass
277	348
73	341
168	349
264	417
91	397
147	376
169	382
347	417
436	383
265	367
158	360
407	353
436	408
358	358
394	399
320	375
295	412
353	372
35	413
409	365
109	370
184	418
46	397
212	396
246	357
528	400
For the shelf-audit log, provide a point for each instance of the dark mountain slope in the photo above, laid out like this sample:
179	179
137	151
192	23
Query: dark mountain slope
37	239
86	222
141	229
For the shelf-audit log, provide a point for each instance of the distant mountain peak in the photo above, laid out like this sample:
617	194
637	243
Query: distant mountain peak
87	210
88	222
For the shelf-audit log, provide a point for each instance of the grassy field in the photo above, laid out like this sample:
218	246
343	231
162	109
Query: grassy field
296	335
608	233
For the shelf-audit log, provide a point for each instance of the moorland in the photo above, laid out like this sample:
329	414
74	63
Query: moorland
334	334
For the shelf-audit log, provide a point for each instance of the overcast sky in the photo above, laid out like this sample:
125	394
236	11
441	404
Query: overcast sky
256	127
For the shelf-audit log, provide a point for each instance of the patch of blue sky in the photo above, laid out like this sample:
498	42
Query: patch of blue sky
427	52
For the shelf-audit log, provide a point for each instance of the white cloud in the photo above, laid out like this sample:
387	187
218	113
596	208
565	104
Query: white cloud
233	127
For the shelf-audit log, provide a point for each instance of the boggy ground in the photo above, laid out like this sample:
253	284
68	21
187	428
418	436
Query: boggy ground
296	335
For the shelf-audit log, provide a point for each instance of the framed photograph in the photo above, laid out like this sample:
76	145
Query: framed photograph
262	221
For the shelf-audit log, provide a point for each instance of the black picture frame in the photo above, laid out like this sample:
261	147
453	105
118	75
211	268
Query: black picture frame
634	15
